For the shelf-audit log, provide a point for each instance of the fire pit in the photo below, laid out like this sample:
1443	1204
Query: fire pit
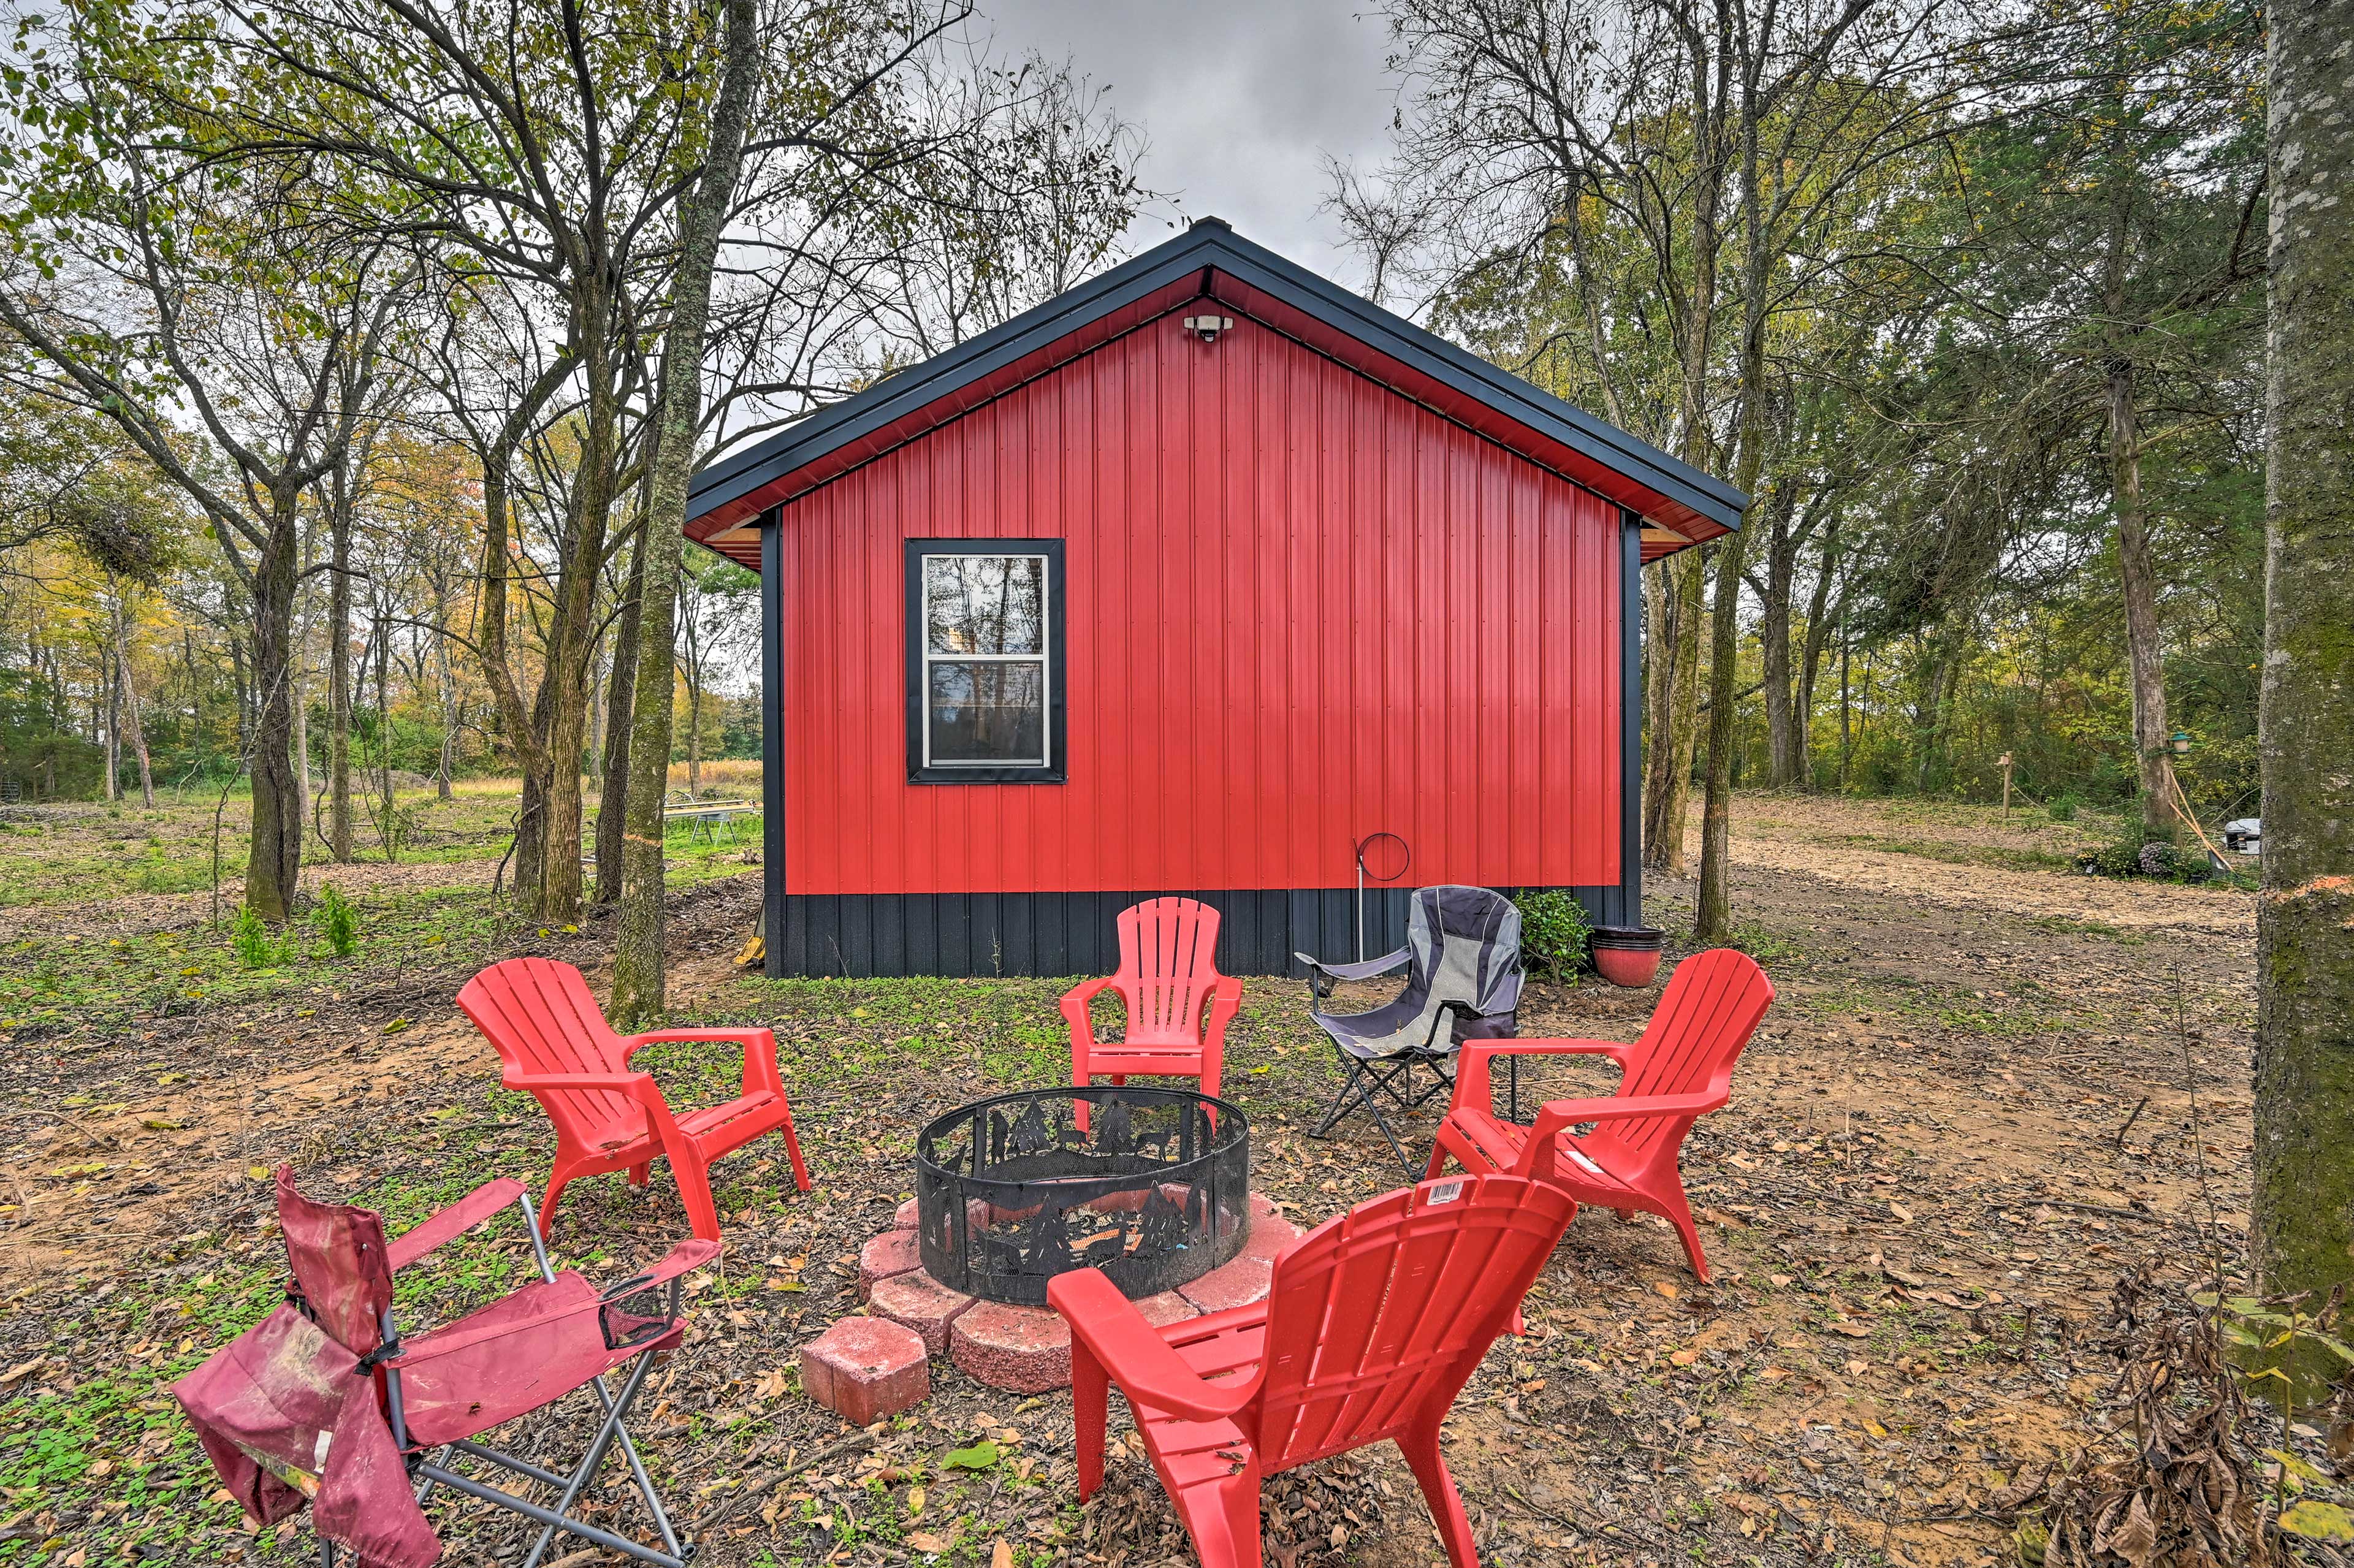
1010	1192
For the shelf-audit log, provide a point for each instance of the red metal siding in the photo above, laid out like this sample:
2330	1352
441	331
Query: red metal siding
1301	609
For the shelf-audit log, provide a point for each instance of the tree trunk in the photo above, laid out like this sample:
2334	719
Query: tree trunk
110	676
1675	714
1713	912
129	687
273	865
638	976
2303	1212
613	796
2154	759
1810	661
339	674
1782	546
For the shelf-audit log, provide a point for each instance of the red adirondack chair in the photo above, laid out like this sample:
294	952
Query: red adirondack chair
1166	979
1374	1322
553	1040
1681	1069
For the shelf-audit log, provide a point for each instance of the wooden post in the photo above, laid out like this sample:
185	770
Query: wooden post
2006	783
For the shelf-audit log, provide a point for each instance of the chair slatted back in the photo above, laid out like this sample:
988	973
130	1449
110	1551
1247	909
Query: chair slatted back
1706	1015
541	1018
1167	970
1377	1318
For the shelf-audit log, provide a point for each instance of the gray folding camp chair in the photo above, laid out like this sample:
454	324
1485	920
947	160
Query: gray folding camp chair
1462	959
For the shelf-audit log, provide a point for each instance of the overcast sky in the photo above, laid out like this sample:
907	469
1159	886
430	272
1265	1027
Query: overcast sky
1240	101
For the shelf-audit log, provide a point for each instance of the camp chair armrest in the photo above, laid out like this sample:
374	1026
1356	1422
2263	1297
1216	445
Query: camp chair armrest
1075	1009
1134	1355
1321	974
455	1220
1471	1087
686	1256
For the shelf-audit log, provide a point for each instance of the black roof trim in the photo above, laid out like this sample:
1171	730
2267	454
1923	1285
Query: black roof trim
1209	243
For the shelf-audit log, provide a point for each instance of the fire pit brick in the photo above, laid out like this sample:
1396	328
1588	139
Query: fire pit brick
864	1368
922	1303
891	1252
1169	1307
1270	1233
1022	1350
1236	1284
905	1219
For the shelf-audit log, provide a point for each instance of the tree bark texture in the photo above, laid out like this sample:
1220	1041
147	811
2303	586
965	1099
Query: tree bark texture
273	865
339	673
136	731
615	791
1675	712
638	974
2303	1209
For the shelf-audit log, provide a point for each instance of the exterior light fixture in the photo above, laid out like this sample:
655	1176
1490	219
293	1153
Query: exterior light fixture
1207	328
2181	743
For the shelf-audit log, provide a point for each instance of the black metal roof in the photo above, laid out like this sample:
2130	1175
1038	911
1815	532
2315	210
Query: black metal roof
1211	244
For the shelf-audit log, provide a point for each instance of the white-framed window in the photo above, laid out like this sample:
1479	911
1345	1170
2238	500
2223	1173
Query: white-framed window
984	661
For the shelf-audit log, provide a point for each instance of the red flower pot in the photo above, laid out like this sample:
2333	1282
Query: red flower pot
1628	955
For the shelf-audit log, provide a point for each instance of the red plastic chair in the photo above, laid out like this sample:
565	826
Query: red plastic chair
1681	1069
1166	979
553	1040
1374	1321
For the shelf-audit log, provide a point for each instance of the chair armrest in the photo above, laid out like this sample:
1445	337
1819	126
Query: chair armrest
1628	1107
686	1254
627	1083
759	1050
1075	1009
454	1221
1134	1355
658	1036
1321	974
1472	1085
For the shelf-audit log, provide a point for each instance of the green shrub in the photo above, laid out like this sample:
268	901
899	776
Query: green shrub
250	939
2063	807
1554	929
339	922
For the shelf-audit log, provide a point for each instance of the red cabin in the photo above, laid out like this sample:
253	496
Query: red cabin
1188	581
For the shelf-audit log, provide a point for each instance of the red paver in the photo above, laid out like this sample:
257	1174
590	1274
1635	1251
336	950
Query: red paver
864	1368
1262	1207
917	1301
1269	1235
1236	1284
1167	1307
893	1252
1022	1350
906	1218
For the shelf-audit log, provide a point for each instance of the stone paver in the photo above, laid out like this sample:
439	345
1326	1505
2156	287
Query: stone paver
1236	1284
893	1252
864	1368
1022	1350
922	1303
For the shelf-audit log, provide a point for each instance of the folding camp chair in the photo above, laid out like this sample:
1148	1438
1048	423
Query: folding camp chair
1462	959
443	1388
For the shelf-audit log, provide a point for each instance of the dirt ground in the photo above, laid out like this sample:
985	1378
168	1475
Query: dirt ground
1988	1087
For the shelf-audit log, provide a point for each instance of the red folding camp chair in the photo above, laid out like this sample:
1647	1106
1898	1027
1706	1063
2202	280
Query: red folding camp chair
1374	1321
553	1040
1677	1071
1167	977
441	1389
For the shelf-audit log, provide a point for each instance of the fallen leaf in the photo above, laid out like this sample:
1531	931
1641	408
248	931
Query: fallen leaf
1852	1329
161	1124
1666	1287
1683	1357
923	1540
1002	1554
915	1499
23	1369
1900	1211
980	1457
